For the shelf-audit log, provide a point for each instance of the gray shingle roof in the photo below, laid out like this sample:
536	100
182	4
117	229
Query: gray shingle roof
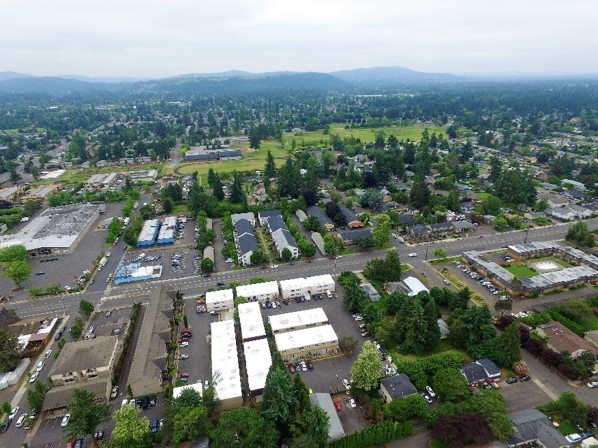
247	243
83	355
398	386
275	223
350	235
530	425
473	372
243	226
319	213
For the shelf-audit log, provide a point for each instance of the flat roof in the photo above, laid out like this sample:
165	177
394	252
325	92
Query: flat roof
149	230
56	227
415	286
222	295
303	318
53	175
225	360
305	337
250	317
257	289
258	360
318	281
197	387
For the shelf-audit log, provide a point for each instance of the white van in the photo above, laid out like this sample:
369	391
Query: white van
328	294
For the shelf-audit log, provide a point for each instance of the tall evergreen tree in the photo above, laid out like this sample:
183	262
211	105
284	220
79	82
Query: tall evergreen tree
270	168
237	195
411	317
510	345
217	189
433	331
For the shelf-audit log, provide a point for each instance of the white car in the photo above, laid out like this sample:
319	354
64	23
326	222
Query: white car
40	366
274	266
13	413
592	384
412	255
206	384
573	438
346	383
358	318
65	420
33	377
430	392
352	403
184	344
47	354
184	356
124	402
21	420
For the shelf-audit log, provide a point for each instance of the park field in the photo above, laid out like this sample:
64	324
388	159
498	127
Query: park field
255	160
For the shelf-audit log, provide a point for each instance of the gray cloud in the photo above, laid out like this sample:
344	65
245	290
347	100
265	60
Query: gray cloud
162	38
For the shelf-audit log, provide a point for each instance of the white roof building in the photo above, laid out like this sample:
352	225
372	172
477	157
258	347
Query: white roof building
250	318
249	216
225	364
414	286
308	337
258	291
282	323
219	300
297	287
197	387
258	360
53	175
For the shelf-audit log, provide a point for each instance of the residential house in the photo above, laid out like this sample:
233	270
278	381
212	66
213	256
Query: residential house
351	218
569	212
442	228
397	386
370	292
420	231
481	372
462	226
316	211
349	236
533	428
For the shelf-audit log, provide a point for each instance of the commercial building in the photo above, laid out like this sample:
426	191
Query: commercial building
219	300
148	368
86	364
142	175
298	320
309	343
397	386
260	292
301	286
258	360
168	231
53	175
199	154
250	319
149	233
134	272
225	365
57	231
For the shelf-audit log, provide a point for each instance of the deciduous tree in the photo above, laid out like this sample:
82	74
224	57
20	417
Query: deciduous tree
10	350
450	385
366	369
86	415
130	430
244	427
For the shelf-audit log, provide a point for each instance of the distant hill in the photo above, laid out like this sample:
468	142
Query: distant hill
52	85
12	75
237	83
387	76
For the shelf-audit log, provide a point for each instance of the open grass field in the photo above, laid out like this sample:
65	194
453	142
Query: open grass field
255	160
520	270
366	135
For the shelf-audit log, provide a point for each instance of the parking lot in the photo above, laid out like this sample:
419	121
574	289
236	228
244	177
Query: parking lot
198	365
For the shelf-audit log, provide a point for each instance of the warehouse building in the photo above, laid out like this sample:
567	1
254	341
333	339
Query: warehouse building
41	193
258	292
298	320
57	231
149	233
250	319
225	365
134	272
219	300
309	343
168	230
258	360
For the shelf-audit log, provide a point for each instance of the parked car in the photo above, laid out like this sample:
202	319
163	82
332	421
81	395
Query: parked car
33	377
512	379
291	368
430	392
412	255
21	420
154	426
337	405
352	403
346	383
310	365
99	435
184	356
524	378
65	420
592	384
114	392
573	438
184	344
427	398
47	354
40	366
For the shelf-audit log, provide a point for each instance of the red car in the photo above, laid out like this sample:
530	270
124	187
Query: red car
337	405
291	368
310	366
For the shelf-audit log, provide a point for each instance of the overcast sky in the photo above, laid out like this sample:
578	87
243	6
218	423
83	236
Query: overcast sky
158	38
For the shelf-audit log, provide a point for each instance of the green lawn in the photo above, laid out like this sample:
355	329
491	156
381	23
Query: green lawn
443	346
520	270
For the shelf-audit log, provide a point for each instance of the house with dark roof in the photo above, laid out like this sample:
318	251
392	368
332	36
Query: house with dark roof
407	219
397	386
481	371
473	373
533	428
442	228
275	223
242	226
351	218
420	231
264	215
246	246
462	226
